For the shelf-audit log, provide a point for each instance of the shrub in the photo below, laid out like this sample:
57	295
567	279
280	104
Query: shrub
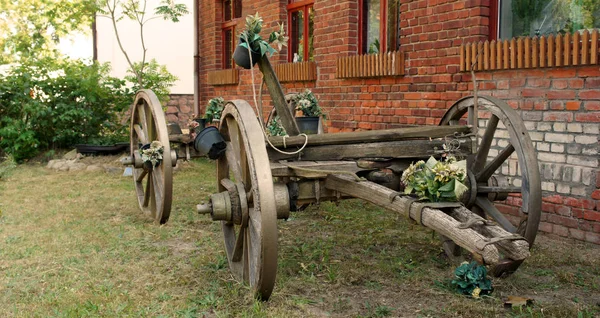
57	103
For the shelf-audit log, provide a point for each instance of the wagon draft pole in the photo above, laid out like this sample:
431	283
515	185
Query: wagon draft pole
258	185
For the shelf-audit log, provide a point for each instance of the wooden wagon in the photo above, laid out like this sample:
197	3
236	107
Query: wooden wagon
259	184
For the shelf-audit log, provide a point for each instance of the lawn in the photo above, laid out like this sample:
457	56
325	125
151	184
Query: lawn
74	244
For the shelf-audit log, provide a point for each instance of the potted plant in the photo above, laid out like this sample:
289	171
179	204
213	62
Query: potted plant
252	42
214	108
307	104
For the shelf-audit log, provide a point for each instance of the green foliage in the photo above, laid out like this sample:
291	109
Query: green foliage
250	36
170	10
7	164
436	180
57	103
31	28
471	279
155	77
214	108
307	103
274	127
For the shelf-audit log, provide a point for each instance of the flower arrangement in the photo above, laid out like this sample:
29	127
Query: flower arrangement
307	103
152	154
274	127
436	180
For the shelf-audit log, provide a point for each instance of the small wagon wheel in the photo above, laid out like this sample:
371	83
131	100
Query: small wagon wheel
250	241
515	151
153	185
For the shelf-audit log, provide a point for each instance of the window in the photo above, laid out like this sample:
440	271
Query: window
231	10
378	26
516	18
300	21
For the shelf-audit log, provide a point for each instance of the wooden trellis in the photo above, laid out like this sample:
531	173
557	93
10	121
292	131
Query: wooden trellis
370	65
526	52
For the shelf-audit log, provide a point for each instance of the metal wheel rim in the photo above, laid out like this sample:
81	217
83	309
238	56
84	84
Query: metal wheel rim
154	189
245	144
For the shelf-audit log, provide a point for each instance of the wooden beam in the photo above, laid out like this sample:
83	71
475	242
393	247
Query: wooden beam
432	218
287	118
413	149
371	136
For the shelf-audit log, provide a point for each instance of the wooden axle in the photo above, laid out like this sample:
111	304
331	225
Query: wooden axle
482	247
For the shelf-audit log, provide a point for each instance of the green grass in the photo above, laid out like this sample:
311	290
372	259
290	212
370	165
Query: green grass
76	245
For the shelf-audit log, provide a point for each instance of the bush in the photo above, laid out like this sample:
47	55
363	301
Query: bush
58	103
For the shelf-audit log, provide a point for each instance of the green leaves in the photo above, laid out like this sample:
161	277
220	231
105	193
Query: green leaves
250	37
436	180
308	103
169	10
471	279
214	108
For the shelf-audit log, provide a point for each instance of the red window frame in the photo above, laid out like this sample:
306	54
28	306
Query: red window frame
232	10
362	48
293	7
494	16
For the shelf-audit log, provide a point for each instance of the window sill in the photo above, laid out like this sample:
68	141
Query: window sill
223	77
580	48
370	65
296	72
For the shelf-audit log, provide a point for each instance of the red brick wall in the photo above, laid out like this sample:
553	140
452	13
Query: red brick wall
560	106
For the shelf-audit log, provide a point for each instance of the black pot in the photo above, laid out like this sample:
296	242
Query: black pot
308	125
210	142
241	57
201	124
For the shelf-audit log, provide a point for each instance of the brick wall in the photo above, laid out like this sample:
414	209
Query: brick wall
560	106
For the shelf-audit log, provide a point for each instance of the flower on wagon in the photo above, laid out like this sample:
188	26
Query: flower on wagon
153	154
436	180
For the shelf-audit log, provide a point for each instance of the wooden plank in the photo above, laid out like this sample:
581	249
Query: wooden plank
468	57
409	149
287	118
527	57
542	51
282	169
594	50
371	136
576	51
585	47
550	54
559	50
520	53
474	56
499	56
567	50
432	218
513	53
505	54
479	56
493	55
534	53
486	55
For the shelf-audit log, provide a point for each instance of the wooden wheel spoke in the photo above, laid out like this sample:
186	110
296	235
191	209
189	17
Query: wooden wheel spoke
141	176
498	189
254	246
148	190
142	119
157	184
233	161
486	142
493	165
488	207
140	133
238	249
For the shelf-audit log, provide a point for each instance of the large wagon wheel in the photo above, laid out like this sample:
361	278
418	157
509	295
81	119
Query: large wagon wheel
250	240
153	185
514	151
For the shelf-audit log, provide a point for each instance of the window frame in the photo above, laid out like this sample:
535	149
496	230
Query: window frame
229	25
383	28
292	7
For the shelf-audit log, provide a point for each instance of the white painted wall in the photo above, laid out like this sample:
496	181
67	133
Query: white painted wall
171	44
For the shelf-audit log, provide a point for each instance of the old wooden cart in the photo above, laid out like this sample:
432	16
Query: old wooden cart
259	185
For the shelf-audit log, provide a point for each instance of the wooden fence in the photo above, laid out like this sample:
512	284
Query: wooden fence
526	52
370	65
296	72
223	77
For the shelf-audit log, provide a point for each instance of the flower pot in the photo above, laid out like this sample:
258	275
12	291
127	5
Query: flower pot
242	58
201	124
210	142
308	125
